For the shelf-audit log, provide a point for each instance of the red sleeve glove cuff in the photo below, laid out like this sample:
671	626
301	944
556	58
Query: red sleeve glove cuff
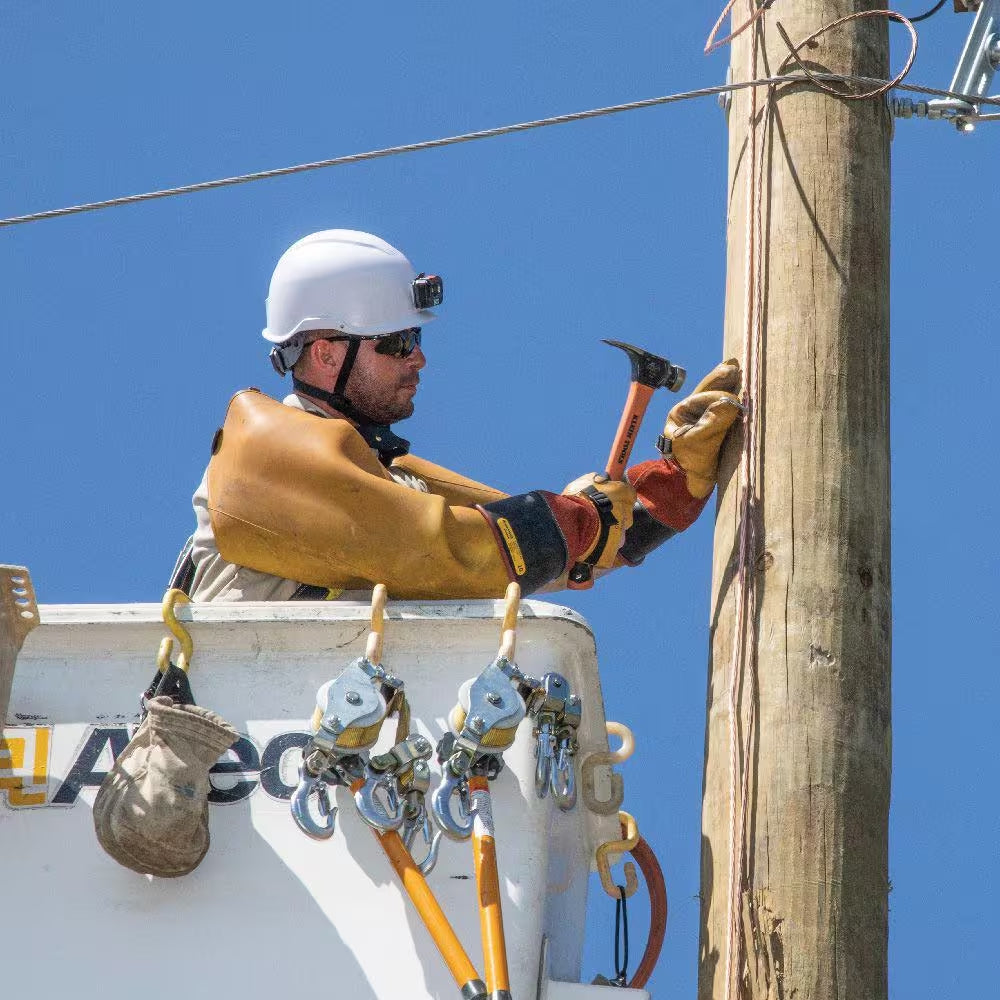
661	486
579	522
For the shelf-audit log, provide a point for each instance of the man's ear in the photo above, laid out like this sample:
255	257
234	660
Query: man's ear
324	355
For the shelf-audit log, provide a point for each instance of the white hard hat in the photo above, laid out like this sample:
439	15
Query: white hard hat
343	280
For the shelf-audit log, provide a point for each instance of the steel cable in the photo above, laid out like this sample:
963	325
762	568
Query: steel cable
490	133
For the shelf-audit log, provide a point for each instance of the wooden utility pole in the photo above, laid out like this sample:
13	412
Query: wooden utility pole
812	895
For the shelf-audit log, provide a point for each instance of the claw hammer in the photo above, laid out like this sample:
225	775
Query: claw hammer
649	373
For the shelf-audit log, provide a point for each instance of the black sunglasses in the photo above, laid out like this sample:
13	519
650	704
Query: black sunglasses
400	344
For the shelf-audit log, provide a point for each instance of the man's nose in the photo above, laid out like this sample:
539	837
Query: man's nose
417	360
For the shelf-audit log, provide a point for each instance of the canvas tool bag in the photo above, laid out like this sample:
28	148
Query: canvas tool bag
151	812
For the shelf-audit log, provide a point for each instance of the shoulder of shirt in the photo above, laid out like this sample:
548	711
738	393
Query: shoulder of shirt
297	402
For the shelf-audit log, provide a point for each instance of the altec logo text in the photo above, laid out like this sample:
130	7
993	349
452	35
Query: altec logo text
26	779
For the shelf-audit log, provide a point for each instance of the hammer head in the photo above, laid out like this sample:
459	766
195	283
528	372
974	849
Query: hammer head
650	369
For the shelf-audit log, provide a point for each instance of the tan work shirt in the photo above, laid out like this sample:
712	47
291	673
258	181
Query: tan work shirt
218	580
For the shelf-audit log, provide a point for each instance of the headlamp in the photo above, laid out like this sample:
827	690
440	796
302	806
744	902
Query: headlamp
428	291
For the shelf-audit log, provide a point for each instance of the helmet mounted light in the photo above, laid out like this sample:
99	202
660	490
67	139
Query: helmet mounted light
428	291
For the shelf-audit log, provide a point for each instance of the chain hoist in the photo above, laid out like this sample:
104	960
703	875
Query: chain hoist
349	714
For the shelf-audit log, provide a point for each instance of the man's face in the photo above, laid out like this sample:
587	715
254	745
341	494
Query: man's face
383	387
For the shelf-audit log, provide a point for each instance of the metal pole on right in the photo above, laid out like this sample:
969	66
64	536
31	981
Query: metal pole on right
794	879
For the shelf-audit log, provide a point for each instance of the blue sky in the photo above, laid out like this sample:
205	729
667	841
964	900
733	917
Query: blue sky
128	330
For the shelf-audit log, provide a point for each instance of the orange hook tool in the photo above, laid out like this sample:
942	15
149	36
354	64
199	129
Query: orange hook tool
484	853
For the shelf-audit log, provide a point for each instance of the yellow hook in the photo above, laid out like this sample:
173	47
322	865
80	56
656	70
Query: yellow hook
619	847
373	648
163	655
508	630
587	771
171	599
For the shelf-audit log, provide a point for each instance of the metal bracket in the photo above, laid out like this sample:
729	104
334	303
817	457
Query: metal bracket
979	61
725	99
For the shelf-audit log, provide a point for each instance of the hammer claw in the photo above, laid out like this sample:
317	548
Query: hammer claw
650	369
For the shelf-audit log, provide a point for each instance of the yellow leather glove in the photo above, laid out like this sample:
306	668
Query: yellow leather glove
697	426
614	502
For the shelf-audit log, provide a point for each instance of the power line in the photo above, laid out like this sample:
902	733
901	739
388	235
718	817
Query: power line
928	13
489	133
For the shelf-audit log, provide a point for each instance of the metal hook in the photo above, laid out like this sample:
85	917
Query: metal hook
163	656
441	807
544	759
619	847
372	811
604	807
171	599
421	821
562	778
309	783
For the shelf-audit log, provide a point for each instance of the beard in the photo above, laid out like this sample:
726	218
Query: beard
378	409
381	400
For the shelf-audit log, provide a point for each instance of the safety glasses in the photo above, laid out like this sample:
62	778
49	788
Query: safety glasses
400	344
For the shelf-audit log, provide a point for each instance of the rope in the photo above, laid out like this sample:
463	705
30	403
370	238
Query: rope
743	651
490	133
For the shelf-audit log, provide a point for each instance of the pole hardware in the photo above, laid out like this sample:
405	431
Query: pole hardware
979	60
725	99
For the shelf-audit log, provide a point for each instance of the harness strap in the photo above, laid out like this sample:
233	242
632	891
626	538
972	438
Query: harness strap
378	436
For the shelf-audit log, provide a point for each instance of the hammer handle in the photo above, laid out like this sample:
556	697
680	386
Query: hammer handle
635	409
581	576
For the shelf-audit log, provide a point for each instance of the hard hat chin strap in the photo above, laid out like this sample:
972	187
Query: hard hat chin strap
377	436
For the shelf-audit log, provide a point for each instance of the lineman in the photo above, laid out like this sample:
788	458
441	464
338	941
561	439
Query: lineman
319	498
